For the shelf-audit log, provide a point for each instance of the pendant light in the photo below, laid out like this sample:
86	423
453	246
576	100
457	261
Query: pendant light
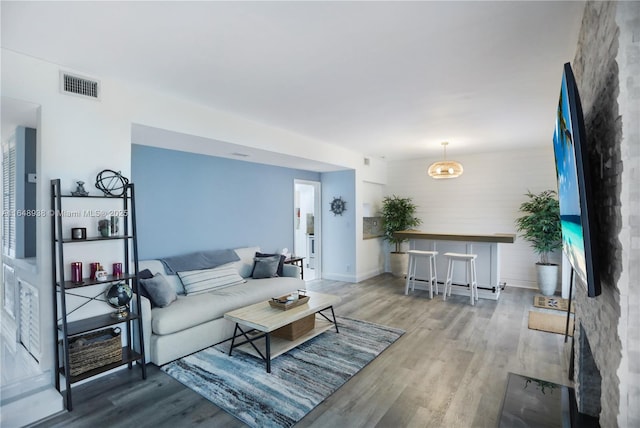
445	168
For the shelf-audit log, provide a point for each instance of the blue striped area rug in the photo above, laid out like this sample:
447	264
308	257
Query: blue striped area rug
300	379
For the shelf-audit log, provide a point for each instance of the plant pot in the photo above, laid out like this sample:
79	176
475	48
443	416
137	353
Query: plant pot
398	263
547	278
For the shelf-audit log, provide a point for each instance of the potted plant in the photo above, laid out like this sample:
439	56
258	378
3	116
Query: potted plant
397	214
542	228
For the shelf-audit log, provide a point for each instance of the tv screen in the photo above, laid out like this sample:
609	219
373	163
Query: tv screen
574	185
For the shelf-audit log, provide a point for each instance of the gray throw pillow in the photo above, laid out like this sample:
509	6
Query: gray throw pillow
265	267
280	265
161	293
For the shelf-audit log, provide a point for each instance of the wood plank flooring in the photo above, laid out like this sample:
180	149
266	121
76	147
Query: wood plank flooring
448	370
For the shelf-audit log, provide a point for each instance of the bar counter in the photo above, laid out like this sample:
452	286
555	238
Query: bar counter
487	247
505	238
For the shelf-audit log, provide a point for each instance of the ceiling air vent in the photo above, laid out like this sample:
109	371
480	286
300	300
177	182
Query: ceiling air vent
78	85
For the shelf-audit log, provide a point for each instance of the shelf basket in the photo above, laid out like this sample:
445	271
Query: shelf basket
93	350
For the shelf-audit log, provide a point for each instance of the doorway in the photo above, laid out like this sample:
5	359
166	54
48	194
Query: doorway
306	229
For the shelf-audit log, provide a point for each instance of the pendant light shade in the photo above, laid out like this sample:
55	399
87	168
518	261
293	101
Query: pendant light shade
445	168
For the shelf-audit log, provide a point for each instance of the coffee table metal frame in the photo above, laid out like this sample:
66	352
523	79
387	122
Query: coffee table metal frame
279	318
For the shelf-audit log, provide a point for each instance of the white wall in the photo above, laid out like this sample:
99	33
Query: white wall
484	200
77	138
370	181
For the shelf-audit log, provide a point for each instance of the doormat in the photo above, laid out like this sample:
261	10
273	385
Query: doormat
557	303
549	322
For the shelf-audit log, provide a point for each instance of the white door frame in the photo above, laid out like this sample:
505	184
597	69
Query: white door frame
317	220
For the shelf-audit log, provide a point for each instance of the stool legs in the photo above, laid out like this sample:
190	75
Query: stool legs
471	279
411	274
470	282
473	284
447	282
433	276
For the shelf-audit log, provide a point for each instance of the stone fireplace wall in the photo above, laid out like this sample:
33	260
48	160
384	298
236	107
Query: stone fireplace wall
607	69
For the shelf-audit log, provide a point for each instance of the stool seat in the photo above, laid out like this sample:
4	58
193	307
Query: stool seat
461	256
422	253
472	278
414	255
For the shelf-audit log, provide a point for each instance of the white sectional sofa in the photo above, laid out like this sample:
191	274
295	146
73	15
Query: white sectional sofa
195	322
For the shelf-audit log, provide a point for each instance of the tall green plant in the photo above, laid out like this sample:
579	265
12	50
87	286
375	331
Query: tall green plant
541	223
397	214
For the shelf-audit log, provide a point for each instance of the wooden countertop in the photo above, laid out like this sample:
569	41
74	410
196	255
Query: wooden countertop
505	238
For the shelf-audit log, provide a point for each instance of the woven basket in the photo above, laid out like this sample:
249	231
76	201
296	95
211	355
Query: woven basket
296	329
93	350
284	304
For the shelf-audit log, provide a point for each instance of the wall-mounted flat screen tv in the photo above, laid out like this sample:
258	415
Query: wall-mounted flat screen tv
574	185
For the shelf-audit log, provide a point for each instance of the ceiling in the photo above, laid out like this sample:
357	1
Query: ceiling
386	79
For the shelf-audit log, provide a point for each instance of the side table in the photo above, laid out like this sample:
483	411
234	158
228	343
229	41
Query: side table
298	261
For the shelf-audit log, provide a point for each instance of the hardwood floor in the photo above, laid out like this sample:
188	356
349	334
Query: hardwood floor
448	370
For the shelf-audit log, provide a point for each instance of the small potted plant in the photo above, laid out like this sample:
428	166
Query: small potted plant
542	228
398	214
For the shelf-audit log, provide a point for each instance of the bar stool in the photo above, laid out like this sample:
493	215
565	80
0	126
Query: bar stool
414	255
472	279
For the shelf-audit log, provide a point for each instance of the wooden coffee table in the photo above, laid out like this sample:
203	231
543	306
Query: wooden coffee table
258	321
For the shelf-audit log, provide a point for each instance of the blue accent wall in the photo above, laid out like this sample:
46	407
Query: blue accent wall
339	231
187	202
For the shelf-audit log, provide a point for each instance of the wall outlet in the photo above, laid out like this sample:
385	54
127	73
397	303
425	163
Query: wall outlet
348	268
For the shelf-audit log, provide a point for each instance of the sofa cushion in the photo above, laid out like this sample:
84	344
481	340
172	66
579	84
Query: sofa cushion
203	280
281	259
192	310
265	267
160	292
157	266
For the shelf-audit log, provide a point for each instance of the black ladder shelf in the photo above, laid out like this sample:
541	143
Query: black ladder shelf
65	330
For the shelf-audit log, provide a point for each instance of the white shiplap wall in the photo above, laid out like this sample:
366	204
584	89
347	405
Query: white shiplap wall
484	200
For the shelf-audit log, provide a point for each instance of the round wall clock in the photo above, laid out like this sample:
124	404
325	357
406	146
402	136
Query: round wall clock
338	206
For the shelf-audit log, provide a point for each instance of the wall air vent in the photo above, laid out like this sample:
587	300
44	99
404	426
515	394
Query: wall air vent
78	85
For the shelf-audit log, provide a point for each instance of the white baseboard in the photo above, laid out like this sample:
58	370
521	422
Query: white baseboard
338	277
527	286
370	274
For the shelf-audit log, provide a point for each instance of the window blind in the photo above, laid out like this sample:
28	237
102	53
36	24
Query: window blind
9	198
